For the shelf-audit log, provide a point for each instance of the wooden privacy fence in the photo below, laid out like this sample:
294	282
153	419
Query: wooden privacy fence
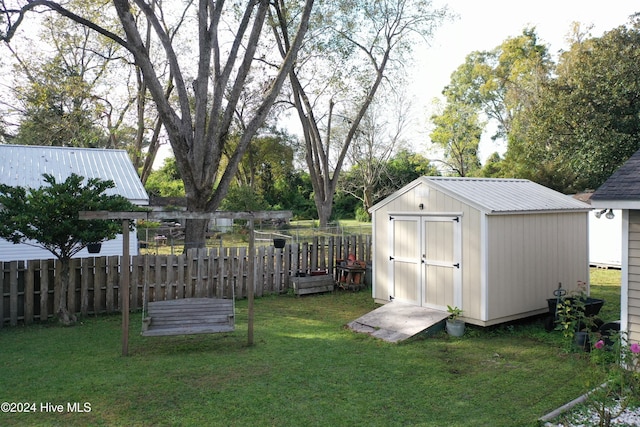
28	291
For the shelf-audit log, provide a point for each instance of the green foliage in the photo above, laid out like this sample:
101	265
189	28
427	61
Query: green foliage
243	198
344	206
586	122
362	214
568	125
47	217
454	312
166	181
59	109
403	168
457	131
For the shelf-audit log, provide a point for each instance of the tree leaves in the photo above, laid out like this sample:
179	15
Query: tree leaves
47	217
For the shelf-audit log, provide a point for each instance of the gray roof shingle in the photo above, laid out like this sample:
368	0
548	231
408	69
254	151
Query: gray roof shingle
623	184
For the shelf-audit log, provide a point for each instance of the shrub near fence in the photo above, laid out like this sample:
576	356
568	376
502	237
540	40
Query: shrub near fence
28	286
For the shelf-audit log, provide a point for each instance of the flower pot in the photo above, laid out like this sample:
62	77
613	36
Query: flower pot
581	340
94	248
279	243
455	328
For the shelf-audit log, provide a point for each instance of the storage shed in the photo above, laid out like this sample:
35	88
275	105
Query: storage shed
622	191
24	165
496	248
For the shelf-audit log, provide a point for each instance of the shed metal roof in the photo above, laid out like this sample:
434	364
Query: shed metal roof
501	196
24	165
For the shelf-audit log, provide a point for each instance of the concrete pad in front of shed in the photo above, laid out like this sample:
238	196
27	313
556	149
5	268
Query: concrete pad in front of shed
395	321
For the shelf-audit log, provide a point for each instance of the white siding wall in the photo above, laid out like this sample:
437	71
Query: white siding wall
23	252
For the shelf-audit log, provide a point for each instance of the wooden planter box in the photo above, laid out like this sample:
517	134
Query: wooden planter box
313	284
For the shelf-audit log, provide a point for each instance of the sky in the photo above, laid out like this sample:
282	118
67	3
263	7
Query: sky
485	24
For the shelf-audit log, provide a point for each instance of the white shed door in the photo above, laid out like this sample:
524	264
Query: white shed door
440	260
404	259
424	263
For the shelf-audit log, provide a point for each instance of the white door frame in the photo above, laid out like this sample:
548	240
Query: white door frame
419	260
456	264
407	259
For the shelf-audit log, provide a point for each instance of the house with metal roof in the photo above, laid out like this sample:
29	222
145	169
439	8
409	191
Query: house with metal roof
24	165
496	248
622	191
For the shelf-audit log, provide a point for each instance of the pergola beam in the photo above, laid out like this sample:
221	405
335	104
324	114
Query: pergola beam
150	215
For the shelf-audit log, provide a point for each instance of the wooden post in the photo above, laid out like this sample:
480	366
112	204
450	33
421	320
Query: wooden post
124	292
251	282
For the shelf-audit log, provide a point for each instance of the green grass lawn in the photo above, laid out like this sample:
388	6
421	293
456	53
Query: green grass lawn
305	369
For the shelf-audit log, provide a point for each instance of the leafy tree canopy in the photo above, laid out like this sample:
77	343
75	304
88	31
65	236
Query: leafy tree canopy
47	217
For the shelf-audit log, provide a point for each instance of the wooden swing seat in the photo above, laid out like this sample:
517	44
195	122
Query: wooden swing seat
188	316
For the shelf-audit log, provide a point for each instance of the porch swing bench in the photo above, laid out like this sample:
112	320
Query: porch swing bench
188	316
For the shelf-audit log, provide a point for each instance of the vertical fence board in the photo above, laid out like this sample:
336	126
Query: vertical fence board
44	289
217	285
242	273
85	276
113	279
100	285
13	293
171	276
278	277
304	260
135	283
188	280
29	291
259	271
314	255
231	268
331	256
180	292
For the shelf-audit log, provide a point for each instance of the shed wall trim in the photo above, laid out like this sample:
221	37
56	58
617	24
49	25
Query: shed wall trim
484	289
624	280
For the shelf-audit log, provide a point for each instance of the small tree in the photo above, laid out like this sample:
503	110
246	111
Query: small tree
48	218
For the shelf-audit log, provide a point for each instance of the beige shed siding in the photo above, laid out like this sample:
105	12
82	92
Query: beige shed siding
633	315
436	202
543	250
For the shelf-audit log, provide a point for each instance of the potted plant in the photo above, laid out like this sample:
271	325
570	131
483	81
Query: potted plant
574	318
455	325
94	248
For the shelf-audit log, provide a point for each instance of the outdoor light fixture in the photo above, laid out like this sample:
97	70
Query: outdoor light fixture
609	213
421	206
599	213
